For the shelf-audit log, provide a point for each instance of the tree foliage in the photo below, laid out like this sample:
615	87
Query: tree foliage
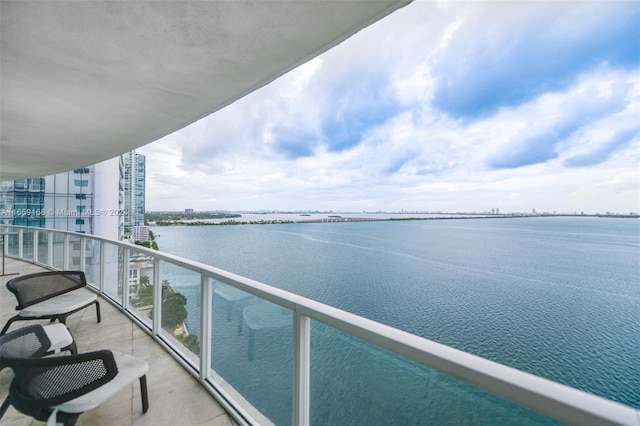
173	302
191	342
174	312
173	306
143	292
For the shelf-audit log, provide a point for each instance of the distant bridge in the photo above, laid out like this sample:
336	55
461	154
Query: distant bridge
343	219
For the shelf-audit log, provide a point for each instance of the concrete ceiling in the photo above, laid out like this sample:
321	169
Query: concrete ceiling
84	81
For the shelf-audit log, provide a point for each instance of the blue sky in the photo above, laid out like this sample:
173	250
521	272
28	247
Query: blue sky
442	106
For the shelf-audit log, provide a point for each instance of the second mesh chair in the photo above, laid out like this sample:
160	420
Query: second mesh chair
61	388
50	295
34	341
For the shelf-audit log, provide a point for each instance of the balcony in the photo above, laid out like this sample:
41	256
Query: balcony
185	402
260	349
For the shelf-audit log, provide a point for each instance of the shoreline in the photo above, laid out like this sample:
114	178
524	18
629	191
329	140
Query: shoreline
293	218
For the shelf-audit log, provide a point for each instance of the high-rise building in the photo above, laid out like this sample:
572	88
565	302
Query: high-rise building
109	200
60	201
134	189
103	199
22	202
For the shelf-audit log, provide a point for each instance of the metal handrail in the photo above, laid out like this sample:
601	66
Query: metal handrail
547	397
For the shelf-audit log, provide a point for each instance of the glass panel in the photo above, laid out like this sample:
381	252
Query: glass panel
251	353
353	382
74	252
113	266
43	247
27	244
92	262
58	251
11	241
180	314
141	286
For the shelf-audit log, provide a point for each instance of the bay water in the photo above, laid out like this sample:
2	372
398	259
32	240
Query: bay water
558	297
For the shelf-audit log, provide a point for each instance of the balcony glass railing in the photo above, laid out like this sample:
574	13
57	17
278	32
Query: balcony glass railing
271	356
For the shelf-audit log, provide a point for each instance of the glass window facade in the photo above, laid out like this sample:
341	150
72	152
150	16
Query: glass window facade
134	189
55	201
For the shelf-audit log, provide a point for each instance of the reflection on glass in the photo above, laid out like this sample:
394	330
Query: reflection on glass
113	268
43	248
27	244
58	251
74	252
353	381
92	262
252	351
141	285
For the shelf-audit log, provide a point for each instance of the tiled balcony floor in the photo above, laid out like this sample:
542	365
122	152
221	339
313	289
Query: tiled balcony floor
175	396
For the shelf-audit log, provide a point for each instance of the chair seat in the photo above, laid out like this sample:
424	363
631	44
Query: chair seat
59	336
64	302
129	370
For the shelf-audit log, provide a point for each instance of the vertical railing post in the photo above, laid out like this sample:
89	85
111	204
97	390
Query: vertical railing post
20	242
103	261
206	295
49	261
35	245
125	281
65	253
301	366
157	297
83	248
5	244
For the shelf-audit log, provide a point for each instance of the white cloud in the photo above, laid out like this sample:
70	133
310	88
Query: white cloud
360	128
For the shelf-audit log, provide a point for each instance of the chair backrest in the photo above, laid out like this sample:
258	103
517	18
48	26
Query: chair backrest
27	342
34	288
46	382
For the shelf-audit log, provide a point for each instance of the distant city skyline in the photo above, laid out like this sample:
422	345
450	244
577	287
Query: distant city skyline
439	107
490	212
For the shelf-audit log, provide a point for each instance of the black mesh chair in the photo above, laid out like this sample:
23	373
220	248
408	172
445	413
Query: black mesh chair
34	341
50	295
61	388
